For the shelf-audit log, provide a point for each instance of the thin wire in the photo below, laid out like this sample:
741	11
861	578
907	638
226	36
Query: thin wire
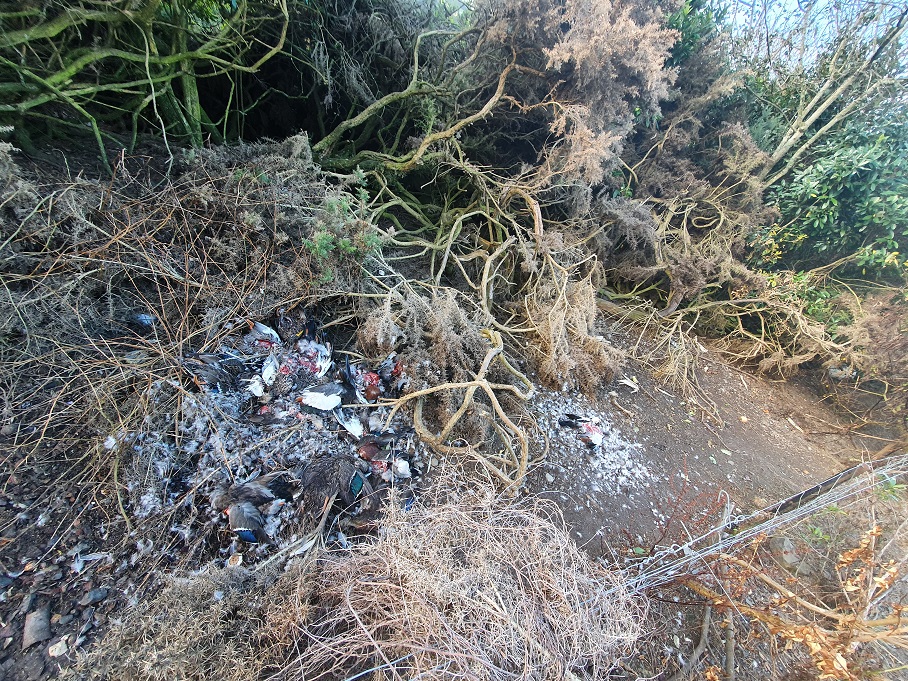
680	559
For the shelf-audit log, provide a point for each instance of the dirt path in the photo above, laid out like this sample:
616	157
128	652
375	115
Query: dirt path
669	462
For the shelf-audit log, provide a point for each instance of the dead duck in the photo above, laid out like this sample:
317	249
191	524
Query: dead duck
243	504
219	371
328	477
591	430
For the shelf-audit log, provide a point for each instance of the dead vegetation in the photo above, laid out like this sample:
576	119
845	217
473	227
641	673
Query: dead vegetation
464	259
110	285
107	285
469	584
842	605
812	587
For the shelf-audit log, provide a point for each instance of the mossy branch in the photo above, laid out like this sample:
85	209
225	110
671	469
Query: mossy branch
75	105
415	88
71	18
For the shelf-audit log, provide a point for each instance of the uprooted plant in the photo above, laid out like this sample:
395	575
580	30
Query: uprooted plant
419	168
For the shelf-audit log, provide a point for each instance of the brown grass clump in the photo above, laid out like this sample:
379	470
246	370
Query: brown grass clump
202	626
565	349
473	586
880	332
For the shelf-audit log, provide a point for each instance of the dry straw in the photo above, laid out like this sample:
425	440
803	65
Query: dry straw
475	586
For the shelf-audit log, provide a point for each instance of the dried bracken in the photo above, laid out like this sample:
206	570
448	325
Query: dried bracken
471	587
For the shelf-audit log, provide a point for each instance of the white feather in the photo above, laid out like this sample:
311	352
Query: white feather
351	424
321	400
270	369
401	468
255	385
266	332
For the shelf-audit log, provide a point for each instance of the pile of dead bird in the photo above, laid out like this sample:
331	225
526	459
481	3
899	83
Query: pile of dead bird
288	375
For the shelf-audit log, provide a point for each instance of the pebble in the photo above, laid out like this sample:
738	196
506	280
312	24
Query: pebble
27	603
59	648
549	478
93	596
37	627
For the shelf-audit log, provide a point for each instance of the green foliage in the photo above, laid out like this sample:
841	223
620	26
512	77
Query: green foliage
849	199
818	301
697	22
818	534
426	116
342	236
769	102
126	67
890	489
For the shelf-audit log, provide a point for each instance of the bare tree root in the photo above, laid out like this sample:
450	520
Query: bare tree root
509	469
535	280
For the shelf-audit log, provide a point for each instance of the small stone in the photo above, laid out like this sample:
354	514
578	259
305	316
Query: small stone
784	549
37	627
93	596
27	603
59	648
65	619
549	478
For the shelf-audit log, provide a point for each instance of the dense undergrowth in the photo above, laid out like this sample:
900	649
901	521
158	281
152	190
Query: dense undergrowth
468	186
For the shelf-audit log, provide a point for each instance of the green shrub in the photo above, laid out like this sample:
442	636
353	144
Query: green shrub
850	200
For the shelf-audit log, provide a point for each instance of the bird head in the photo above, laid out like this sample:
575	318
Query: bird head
218	498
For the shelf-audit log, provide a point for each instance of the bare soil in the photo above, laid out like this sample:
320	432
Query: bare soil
766	440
